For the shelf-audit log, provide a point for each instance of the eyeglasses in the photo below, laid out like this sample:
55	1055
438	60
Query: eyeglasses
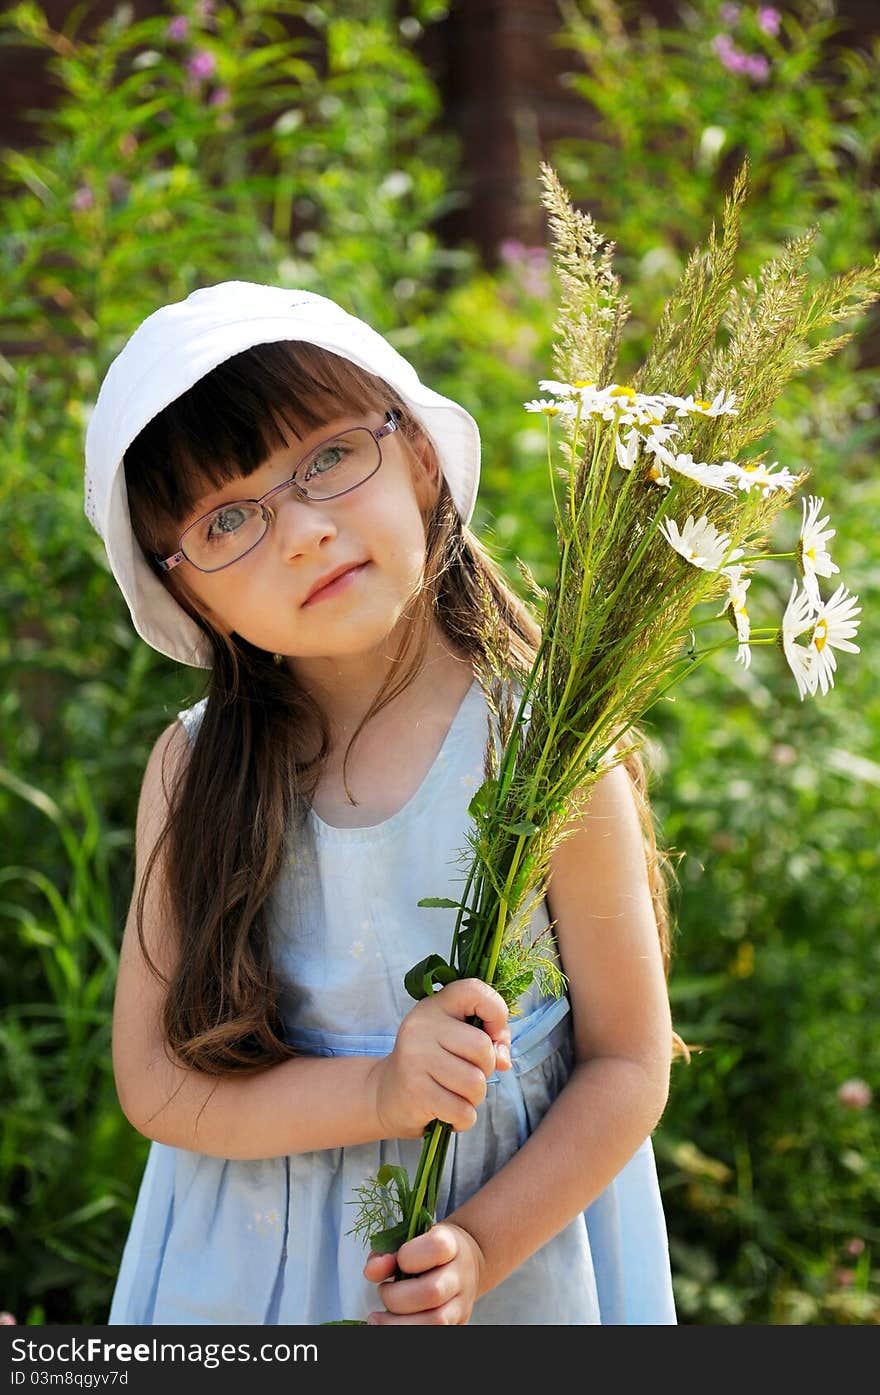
228	533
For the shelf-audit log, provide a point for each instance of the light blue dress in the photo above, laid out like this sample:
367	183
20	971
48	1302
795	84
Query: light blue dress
227	1241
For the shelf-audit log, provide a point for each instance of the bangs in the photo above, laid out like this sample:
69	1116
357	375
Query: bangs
228	424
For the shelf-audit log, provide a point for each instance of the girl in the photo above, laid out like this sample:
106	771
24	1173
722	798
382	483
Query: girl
285	504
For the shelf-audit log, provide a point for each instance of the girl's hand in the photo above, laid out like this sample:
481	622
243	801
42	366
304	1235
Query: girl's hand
447	1264
440	1063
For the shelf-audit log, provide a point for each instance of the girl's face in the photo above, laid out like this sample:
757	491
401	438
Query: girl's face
263	596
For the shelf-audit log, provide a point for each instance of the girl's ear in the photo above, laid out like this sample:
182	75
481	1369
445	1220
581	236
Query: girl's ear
426	466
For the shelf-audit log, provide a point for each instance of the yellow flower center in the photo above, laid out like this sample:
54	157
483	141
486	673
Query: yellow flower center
623	392
820	636
582	383
700	402
811	553
550	410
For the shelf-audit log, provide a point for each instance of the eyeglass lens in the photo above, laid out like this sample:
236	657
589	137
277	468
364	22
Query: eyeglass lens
334	467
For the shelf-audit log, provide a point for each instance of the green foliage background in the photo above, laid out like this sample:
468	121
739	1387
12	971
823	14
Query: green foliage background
147	182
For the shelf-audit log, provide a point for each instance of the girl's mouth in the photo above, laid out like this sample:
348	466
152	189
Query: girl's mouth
334	588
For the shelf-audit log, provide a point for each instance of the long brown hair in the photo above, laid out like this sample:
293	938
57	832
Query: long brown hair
248	764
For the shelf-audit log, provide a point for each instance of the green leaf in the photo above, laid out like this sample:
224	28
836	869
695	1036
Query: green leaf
439	901
524	826
483	798
385	1242
422	977
388	1172
513	988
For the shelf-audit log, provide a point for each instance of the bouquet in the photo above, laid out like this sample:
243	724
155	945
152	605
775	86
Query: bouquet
660	507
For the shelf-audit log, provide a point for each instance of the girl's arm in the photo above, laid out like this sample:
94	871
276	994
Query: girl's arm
438	1068
600	898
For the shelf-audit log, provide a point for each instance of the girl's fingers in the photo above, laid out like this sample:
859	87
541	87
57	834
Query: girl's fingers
469	1044
471	997
379	1267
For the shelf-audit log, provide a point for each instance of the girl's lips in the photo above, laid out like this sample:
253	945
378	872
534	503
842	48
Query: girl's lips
335	587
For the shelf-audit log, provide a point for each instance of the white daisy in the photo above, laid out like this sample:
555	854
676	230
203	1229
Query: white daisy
722	405
566	389
699	543
709	476
798	618
835	625
626	453
557	389
549	408
760	476
736	604
814	559
659	433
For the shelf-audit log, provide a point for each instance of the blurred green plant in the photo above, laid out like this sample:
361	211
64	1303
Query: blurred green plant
285	142
673	111
66	1152
774	1214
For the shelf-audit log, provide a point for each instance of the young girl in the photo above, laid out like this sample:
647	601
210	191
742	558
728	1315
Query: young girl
286	505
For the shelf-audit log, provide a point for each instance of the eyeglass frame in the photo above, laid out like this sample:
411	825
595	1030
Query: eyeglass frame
166	564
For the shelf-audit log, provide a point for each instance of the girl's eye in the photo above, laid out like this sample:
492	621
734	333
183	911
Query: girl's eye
325	458
227	522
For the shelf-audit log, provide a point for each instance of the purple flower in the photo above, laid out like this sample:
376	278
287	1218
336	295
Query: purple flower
83	199
204	9
769	20
511	251
535	280
178	27
7	1320
757	66
219	97
202	64
730	13
855	1246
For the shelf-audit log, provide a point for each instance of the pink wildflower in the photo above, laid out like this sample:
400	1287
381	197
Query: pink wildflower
844	1278
855	1094
510	250
202	64
178	27
7	1320
757	66
730	13
83	199
855	1246
769	20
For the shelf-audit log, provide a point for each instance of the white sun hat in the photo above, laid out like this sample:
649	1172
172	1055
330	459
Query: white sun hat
168	353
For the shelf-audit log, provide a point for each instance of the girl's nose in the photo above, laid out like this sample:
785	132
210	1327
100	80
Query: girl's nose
300	525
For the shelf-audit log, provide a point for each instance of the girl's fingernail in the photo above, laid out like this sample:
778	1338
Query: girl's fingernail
503	1055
